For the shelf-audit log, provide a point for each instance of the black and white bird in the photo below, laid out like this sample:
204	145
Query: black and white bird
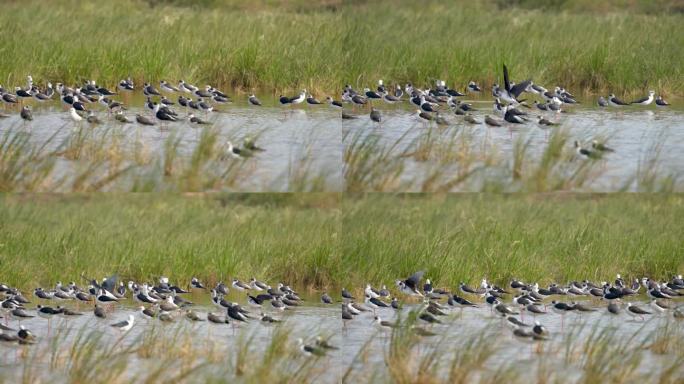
48	312
239	285
149	313
615	102
233	151
252	99
333	103
42	294
235	313
645	100
347	295
456	300
197	120
410	285
204	106
511	92
514	322
371	94
167	87
258	285
163	113
196	283
384	323
310	350
268	319
544	121
359	100
473	87
561	308
469	290
541	106
206	92
660	102
39	96
126	85
540	331
584	152
105	297
284	100
259	300
166	101
310	100
187	87
375	302
390	99
125	325
22	93
150	90
511	117
298	99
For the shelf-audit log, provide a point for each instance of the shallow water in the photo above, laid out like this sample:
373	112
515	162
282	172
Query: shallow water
293	138
310	140
633	132
364	345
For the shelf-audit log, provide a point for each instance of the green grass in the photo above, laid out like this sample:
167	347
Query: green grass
46	238
624	46
540	237
324	241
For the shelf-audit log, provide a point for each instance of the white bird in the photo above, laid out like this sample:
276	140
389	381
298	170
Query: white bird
234	151
125	325
370	293
75	116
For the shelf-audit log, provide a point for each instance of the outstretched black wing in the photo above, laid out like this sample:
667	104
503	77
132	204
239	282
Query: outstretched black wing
413	280
517	89
110	283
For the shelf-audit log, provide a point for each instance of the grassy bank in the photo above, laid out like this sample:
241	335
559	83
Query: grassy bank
45	238
332	240
532	237
324	45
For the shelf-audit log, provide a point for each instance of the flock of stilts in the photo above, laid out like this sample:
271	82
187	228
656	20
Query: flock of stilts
526	298
165	302
509	107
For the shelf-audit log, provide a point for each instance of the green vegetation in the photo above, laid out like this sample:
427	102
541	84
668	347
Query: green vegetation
46	238
624	46
330	240
539	237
